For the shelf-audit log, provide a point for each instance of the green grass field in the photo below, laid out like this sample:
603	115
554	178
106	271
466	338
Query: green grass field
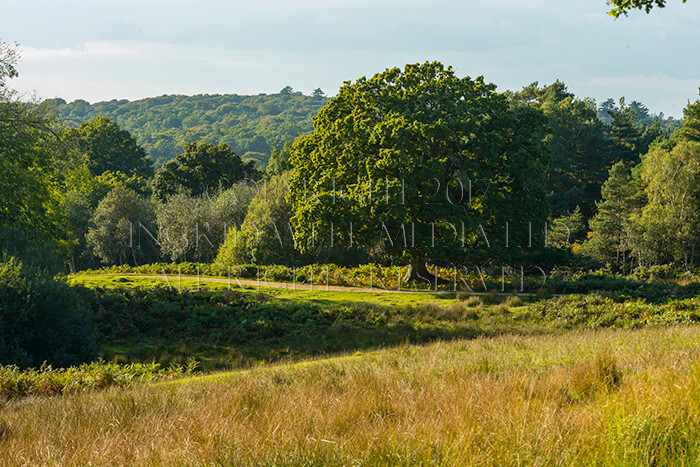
310	322
319	296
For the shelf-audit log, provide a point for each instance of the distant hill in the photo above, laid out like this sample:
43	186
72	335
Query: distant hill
251	125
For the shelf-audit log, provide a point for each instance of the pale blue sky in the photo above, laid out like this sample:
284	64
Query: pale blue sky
108	49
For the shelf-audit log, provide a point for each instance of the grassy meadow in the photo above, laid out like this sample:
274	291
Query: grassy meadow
622	397
142	319
197	374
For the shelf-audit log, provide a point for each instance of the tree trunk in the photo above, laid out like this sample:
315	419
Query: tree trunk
417	271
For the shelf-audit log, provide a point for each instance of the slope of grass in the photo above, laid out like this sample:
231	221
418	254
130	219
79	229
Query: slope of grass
242	327
623	397
230	329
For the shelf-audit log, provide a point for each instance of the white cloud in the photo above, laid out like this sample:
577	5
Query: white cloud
88	50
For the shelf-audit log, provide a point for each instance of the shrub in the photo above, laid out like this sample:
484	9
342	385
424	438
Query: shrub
543	294
46	381
514	300
503	309
473	302
463	295
42	319
490	298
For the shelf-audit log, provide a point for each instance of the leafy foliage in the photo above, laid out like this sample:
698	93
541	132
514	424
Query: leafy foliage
32	165
280	160
201	169
597	311
109	148
577	142
9	56
266	235
651	217
41	319
388	141
611	229
115	227
186	229
586	141
163	124
47	381
36	167
622	7
671	218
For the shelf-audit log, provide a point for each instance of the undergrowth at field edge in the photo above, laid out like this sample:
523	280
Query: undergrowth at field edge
613	310
452	279
47	381
238	328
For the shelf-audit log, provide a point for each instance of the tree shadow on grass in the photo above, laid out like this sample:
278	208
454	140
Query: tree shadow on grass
228	329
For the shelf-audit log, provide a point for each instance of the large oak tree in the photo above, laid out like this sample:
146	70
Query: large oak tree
109	148
408	160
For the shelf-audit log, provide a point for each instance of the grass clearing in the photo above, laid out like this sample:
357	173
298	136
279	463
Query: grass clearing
232	329
319	296
241	328
624	397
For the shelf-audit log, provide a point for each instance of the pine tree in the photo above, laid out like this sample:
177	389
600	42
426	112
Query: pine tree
610	227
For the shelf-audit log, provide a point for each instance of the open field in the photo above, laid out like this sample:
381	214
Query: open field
336	377
280	290
140	320
623	397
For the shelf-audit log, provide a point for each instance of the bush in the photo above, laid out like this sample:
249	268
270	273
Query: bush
473	302
42	319
463	295
514	301
46	381
490	298
543	294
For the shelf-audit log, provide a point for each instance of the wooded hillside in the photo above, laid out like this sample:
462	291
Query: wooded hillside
251	125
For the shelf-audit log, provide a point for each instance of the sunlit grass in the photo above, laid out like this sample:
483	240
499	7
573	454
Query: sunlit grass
318	296
622	397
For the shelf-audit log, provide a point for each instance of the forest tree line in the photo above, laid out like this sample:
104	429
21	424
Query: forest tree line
614	182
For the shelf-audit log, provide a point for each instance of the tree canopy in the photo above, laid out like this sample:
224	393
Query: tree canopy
251	125
622	7
35	166
109	148
202	168
393	156
115	227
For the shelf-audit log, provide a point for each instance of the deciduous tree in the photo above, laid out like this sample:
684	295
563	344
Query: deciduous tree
115	235
202	168
109	148
394	143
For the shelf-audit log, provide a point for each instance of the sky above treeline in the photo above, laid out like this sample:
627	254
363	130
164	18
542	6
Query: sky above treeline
130	49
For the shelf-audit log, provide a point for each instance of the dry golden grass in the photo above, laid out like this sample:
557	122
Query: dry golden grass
583	398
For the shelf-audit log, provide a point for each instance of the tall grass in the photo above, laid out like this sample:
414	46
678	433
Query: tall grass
623	397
